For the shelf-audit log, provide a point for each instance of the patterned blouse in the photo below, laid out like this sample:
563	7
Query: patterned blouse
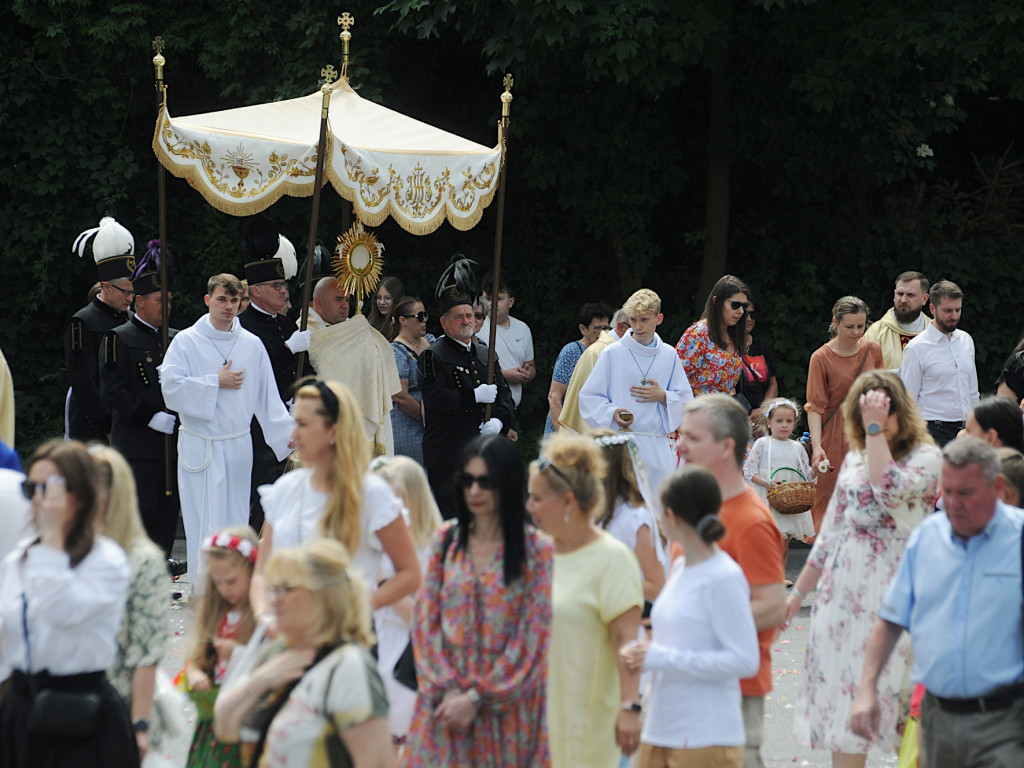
709	368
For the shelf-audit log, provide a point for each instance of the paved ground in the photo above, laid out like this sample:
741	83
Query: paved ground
780	750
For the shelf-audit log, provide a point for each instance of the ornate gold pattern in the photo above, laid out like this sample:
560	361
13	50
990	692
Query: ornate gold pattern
329	73
158	45
346	21
358	260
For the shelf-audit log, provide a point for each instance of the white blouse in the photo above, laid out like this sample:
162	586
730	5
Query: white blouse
626	523
73	613
294	510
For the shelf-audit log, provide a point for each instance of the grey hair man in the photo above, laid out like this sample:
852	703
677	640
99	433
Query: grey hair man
714	435
958	594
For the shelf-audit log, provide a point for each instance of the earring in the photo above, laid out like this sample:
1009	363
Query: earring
332	441
565	517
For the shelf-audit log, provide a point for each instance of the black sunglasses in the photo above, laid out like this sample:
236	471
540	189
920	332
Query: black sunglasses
738	304
752	314
465	481
29	488
421	316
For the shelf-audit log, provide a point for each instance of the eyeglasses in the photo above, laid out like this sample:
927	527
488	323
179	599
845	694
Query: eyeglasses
125	291
278	286
544	463
421	316
275	591
465	481
478	315
599	327
738	304
29	488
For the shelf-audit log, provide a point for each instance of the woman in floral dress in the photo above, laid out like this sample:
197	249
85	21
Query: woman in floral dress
887	485
482	625
711	349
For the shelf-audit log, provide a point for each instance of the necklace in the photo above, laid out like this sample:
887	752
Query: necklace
220	351
643	373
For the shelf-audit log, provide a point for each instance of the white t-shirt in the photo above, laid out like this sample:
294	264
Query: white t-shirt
626	523
703	643
294	510
513	346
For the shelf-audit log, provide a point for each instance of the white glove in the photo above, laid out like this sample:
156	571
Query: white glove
492	427
298	342
163	421
486	393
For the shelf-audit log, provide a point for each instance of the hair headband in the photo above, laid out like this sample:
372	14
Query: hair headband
329	399
783	401
545	463
242	546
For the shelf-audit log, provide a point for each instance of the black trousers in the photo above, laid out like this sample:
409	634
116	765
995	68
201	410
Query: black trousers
442	483
159	509
943	432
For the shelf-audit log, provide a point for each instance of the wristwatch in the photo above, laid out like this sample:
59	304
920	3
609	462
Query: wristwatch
474	696
874	428
141	726
632	706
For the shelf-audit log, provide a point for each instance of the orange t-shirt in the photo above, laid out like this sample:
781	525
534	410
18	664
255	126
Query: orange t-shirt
753	540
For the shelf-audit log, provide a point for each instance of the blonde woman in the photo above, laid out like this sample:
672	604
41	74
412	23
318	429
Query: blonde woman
593	703
333	495
393	623
317	691
142	638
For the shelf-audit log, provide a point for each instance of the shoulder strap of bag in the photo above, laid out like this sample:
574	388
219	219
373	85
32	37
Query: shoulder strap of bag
834	411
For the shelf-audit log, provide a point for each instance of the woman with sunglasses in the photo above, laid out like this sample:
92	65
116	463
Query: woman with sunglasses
62	596
482	625
887	485
593	700
711	349
833	368
407	331
334	495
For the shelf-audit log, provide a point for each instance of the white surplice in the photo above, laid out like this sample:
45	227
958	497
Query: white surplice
627	364
214	447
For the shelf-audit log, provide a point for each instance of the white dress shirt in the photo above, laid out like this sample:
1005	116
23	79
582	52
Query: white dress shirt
939	372
73	613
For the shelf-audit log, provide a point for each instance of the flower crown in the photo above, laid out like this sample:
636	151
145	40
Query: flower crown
242	546
784	401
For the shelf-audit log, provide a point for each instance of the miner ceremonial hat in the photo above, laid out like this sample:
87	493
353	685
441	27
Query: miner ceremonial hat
113	249
457	285
268	256
146	277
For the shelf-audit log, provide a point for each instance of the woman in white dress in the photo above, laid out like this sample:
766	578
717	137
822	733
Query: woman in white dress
334	495
393	622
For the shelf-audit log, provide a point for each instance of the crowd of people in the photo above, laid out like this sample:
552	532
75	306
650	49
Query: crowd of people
379	579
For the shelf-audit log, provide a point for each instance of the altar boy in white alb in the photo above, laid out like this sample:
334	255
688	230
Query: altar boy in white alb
640	376
217	377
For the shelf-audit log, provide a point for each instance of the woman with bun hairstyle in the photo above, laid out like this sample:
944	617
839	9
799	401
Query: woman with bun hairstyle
704	641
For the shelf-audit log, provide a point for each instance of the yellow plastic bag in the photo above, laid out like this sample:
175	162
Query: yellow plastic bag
910	749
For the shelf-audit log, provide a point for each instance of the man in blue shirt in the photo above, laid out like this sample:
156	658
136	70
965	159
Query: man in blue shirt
958	592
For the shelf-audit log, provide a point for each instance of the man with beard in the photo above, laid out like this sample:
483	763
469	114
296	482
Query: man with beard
453	372
904	321
938	366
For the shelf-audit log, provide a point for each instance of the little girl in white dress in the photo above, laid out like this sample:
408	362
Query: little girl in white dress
775	459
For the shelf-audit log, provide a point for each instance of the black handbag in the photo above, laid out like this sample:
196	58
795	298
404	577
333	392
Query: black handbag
405	668
56	713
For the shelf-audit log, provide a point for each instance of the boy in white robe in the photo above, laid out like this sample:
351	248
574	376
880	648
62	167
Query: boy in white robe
217	376
643	376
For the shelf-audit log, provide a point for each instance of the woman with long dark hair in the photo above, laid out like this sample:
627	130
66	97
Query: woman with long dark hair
483	623
62	595
389	290
712	348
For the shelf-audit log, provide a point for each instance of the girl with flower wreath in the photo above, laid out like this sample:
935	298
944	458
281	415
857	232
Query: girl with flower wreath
224	622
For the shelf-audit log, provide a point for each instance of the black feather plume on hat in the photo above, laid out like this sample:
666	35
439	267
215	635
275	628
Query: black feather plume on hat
150	262
458	284
322	264
260	239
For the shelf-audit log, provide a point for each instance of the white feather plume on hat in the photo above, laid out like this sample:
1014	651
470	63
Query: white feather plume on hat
286	253
111	240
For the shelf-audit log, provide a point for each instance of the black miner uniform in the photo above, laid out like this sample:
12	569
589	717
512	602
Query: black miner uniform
88	414
448	375
130	384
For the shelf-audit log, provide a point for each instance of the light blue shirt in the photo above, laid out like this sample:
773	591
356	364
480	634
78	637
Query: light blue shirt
961	602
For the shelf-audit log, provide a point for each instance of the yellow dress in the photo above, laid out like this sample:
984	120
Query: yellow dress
592	586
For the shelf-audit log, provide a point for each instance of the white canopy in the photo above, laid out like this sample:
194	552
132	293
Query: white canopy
243	160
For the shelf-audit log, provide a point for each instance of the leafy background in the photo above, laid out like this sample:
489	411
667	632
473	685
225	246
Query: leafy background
815	149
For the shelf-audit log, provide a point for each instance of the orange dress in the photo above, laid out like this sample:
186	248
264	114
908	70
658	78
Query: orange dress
829	379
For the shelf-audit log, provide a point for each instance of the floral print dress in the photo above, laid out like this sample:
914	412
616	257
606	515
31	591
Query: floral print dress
858	550
709	368
471	630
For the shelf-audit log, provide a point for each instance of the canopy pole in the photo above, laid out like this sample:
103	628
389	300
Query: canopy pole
506	102
161	188
329	74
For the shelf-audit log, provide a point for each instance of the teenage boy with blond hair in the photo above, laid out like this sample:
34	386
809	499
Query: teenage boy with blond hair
638	385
